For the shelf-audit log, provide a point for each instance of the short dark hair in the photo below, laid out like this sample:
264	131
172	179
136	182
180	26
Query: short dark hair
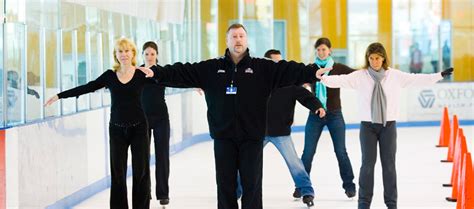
269	53
322	41
150	44
376	48
235	26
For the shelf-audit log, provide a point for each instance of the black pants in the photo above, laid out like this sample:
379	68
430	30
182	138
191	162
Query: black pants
386	136
120	139
246	158
161	136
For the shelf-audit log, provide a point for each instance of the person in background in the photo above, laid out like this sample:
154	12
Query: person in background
274	55
446	55
334	120
416	59
156	111
280	113
378	87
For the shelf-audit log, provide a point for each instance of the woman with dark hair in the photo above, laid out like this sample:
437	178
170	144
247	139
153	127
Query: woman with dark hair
378	87
334	120
156	111
127	127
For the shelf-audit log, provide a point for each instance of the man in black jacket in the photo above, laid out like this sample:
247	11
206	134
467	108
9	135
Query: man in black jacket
236	88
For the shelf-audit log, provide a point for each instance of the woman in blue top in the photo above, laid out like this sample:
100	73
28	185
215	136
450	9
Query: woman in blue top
330	98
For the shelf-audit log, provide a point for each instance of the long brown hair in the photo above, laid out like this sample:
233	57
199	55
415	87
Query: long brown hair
376	48
124	43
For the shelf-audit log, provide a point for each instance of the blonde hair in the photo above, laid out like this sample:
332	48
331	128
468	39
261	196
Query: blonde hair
121	44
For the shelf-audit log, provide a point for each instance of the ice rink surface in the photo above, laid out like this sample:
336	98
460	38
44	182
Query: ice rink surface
419	170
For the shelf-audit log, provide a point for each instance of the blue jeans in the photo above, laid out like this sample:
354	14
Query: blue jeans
285	146
337	128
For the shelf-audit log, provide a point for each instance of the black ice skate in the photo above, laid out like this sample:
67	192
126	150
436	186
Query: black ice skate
350	194
164	201
308	200
297	193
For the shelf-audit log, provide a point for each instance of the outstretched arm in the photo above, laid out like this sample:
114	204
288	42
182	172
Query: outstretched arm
80	90
410	79
342	81
152	73
286	73
181	75
321	72
51	100
337	69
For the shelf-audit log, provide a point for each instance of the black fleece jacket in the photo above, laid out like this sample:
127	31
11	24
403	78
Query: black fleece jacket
241	115
281	108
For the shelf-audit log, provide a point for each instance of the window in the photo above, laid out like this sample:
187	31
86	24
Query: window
14	66
33	76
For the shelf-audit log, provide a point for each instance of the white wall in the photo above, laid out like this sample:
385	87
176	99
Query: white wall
50	160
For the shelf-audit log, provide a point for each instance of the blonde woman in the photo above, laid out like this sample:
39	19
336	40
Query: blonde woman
378	87
128	126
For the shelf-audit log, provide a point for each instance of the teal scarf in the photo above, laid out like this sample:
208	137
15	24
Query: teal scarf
320	88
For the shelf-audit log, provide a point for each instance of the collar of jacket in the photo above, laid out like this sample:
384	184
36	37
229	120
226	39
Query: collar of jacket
243	62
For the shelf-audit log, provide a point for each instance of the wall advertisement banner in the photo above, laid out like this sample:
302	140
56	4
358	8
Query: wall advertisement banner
427	103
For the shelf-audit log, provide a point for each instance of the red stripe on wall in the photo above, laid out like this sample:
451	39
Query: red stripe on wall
3	193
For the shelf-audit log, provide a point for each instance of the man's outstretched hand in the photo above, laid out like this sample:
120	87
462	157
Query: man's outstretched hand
148	72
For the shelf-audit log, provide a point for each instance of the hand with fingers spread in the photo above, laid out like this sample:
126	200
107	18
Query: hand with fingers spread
51	100
148	72
321	112
321	71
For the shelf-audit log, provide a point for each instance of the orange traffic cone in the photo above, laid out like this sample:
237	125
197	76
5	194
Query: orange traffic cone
452	139
461	148
445	130
466	193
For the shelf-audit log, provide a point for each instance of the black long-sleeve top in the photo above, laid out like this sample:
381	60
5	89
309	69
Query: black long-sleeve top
153	99
126	108
334	94
281	108
154	102
240	115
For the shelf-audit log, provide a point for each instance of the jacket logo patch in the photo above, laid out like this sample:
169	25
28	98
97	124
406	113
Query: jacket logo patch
220	71
249	70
